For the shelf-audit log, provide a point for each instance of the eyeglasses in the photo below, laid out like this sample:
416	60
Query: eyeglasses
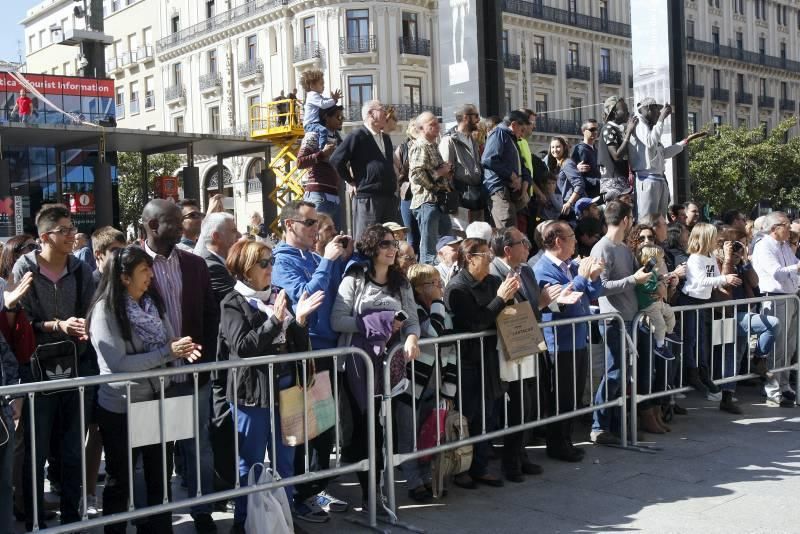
524	241
308	223
407	257
25	247
64	230
266	262
488	255
195	215
386	243
593	130
438	284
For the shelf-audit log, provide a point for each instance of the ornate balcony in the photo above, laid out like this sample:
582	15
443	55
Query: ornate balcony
415	46
210	82
560	126
788	105
720	95
738	54
543	66
610	77
511	61
578	72
362	44
535	9
307	51
744	98
766	102
250	69
175	93
695	90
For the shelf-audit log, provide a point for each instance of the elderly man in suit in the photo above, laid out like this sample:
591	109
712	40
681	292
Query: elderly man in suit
183	282
567	345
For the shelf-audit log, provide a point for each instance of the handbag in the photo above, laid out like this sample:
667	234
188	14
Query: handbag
473	197
317	413
447	201
268	510
54	361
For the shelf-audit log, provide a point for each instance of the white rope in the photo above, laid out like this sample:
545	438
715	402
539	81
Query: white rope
587	106
20	79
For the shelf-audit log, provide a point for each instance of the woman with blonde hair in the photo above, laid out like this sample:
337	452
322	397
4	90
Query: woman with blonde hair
702	276
404	184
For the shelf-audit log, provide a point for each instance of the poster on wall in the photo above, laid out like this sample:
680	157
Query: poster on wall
458	43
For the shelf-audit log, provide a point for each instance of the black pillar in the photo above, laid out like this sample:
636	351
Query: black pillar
491	62
677	60
103	195
220	175
145	179
59	177
5	179
191	182
268	209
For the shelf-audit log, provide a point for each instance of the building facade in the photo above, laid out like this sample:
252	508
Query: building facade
200	65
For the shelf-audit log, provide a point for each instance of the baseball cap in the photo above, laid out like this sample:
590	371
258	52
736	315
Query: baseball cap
445	241
479	230
616	192
394	227
647	102
582	204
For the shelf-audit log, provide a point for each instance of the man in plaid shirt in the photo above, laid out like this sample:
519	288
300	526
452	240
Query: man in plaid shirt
429	175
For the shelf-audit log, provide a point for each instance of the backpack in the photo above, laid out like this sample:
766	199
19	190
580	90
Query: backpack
454	461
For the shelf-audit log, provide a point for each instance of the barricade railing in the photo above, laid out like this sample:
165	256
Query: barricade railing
33	391
716	351
456	342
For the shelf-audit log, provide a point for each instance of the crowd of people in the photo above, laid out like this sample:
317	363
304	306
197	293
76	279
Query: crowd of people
485	225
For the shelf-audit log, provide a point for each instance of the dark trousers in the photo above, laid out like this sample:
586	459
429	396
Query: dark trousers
114	430
475	408
520	410
6	472
63	407
372	210
568	377
358	449
320	449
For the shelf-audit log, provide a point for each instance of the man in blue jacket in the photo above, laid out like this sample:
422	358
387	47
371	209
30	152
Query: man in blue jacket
505	177
298	269
569	355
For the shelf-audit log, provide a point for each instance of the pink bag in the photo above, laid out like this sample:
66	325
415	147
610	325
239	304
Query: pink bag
428	433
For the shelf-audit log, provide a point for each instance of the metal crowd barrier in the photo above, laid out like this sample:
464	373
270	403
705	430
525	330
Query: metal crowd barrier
610	401
663	378
30	391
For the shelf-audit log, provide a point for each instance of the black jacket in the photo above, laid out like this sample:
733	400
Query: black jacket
359	161
246	332
475	307
222	282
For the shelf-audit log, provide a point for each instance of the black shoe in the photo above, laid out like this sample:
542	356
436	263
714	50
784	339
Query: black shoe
679	410
707	382
565	454
786	403
727	404
790	395
204	524
464	481
693	380
489	480
420	494
237	528
517	478
530	468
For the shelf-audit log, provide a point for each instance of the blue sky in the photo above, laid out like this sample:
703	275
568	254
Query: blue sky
10	30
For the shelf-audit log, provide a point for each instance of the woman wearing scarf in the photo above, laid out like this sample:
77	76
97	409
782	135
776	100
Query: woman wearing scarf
127	328
256	321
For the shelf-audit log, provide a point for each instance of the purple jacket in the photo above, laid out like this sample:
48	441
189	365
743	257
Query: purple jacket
374	331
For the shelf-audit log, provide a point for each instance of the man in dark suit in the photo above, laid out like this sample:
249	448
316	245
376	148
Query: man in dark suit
365	160
219	235
183	282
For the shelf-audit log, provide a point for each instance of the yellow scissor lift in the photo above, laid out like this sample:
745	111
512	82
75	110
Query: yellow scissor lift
280	122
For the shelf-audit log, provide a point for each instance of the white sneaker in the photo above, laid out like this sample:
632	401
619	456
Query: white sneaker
91	506
714	397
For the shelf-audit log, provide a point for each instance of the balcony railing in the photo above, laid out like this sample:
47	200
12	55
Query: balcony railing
720	95
511	61
415	46
766	102
134	107
305	51
744	98
250	68
126	58
738	54
358	44
543	66
561	126
119	111
144	53
630	81
535	9
404	112
210	81
787	104
218	22
149	100
610	77
697	91
578	72
112	64
174	92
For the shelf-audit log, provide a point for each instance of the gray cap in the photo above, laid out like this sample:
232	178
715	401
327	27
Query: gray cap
647	102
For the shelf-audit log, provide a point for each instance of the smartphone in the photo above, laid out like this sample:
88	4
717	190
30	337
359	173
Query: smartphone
344	241
401	316
650	265
738	246
273	293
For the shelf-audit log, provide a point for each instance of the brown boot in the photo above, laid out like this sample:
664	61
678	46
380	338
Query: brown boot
649	423
659	415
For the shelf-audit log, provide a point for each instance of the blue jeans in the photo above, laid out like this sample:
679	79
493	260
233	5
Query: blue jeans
608	419
410	222
433	224
695	342
320	130
7	475
254	437
206	453
761	325
65	407
323	205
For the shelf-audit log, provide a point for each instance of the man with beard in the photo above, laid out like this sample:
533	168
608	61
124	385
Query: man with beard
459	148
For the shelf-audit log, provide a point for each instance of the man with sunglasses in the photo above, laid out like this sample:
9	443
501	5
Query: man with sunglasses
191	222
56	305
298	269
586	153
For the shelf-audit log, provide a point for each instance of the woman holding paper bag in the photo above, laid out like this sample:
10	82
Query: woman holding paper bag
255	321
127	328
475	299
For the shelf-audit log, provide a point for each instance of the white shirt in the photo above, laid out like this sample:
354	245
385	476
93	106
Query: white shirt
378	138
776	266
646	153
702	276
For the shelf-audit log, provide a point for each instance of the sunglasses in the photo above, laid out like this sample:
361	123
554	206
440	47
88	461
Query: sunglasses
266	262
308	223
593	130
65	231
194	215
386	243
647	238
26	247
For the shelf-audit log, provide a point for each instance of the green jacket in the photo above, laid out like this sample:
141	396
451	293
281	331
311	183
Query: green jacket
644	292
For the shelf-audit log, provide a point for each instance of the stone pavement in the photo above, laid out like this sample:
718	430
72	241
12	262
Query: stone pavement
715	472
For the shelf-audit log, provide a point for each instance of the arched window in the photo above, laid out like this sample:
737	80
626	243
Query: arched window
253	183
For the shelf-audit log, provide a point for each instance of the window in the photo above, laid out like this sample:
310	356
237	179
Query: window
576	104
209	9
177	124
713	3
764	128
762	87
412	91
176	74
31	43
134	104
604	11
120	98
605	60
762	46
175	24
717	121
309	30
507	99
212	61
783	50
742	122
213	119
359	90
690	74
540	103
740	83
717	78
691	122
149	93
252	48
148	36
133	43
739	41
504	43
761	9
253	101
690	29
409	25
573	55
66	66
784	91
738	7
538	48
357	23
715	36
782	15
